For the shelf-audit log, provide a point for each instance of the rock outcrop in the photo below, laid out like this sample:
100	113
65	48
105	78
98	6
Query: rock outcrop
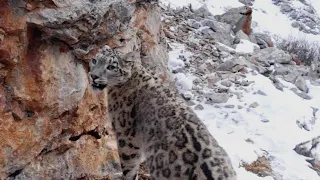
311	149
51	122
232	16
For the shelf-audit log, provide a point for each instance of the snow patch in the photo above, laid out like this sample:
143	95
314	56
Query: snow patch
246	46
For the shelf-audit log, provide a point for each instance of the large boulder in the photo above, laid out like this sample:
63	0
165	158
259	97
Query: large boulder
232	16
219	31
301	84
272	55
293	74
263	40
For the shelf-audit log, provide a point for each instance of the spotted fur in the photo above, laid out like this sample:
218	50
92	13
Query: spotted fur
152	121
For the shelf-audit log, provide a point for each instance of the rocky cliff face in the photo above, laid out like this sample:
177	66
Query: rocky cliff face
51	122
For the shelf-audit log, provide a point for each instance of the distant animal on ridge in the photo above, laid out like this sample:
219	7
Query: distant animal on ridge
244	22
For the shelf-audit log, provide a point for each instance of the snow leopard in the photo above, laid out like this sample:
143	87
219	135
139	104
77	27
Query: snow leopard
152	122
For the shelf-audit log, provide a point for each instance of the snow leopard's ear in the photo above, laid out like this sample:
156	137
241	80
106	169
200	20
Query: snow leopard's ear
132	56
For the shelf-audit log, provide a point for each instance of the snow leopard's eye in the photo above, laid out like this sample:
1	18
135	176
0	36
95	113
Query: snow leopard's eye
94	61
110	67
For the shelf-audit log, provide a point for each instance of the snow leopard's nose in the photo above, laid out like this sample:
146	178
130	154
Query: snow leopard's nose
94	77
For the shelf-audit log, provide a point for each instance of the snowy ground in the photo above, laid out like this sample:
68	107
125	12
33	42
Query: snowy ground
272	126
266	16
316	5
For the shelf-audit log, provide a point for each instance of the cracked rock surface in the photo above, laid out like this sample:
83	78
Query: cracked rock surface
52	124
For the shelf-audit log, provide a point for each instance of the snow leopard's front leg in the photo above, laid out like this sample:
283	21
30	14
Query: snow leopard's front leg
129	146
130	155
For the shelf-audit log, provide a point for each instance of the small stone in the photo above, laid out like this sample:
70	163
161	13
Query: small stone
197	81
261	93
245	83
249	141
240	107
17	112
303	125
200	98
315	110
177	70
236	40
279	86
226	83
217	98
254	105
182	57
196	25
222	90
187	96
198	107
265	120
191	103
230	106
226	66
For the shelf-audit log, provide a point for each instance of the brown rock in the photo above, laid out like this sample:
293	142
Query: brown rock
86	157
52	124
261	167
18	112
270	44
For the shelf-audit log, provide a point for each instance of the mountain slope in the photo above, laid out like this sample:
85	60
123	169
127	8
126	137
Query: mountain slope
258	124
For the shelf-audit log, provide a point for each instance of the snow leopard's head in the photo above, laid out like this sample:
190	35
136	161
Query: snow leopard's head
247	11
108	68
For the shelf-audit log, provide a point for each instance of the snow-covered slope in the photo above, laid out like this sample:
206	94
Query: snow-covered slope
316	5
267	16
258	120
271	126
